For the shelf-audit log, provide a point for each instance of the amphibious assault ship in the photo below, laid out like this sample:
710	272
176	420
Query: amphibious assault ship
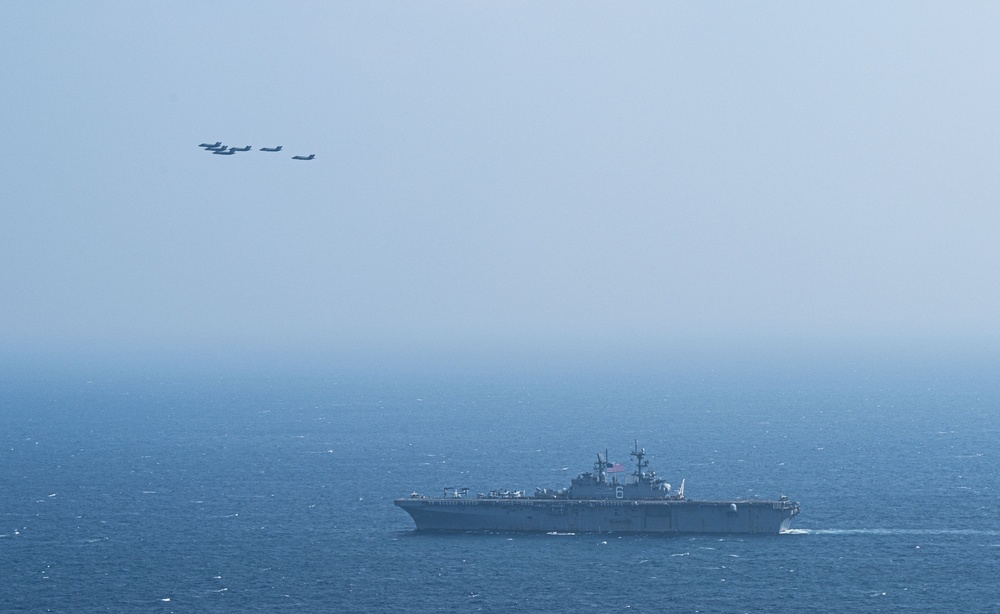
599	502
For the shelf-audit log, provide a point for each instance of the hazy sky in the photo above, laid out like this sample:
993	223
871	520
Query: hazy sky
521	173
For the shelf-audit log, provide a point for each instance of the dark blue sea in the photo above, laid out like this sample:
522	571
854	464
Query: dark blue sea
145	490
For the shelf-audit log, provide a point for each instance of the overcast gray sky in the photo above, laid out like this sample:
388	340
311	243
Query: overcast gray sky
522	173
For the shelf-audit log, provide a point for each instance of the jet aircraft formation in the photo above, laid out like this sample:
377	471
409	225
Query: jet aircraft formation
219	149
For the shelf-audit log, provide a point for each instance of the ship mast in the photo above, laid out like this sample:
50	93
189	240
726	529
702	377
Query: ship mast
601	467
641	464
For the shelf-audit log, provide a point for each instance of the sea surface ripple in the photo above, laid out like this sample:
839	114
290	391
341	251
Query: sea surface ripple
264	494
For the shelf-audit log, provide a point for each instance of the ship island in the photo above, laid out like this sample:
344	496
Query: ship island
599	501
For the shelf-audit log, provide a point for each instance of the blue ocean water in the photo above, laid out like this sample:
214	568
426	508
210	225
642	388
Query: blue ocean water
145	491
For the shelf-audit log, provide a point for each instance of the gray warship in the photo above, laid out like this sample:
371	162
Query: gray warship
598	502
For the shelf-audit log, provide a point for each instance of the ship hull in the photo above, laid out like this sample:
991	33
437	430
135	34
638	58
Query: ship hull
600	516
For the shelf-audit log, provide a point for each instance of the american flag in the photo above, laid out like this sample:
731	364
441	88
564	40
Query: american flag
615	468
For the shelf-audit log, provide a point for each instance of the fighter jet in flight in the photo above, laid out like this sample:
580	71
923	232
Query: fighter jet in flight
225	152
309	157
211	146
278	148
